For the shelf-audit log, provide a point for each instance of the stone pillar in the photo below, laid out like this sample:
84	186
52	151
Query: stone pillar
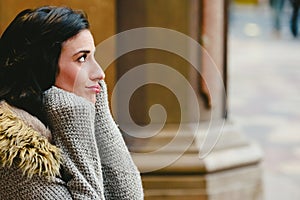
181	153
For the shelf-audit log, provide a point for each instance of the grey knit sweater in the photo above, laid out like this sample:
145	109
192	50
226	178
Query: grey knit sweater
95	162
121	178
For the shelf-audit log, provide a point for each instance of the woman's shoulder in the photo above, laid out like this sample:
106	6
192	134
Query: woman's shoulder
24	144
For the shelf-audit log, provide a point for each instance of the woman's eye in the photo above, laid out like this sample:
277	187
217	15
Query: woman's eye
82	58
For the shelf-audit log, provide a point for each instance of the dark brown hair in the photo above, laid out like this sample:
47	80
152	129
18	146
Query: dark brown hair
29	51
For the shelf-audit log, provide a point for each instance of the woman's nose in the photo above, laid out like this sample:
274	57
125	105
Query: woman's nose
97	74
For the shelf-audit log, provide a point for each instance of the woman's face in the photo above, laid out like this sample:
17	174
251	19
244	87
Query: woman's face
78	70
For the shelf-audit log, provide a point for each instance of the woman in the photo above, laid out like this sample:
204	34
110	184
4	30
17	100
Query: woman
49	78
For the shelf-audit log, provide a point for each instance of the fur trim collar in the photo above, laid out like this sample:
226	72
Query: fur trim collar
20	143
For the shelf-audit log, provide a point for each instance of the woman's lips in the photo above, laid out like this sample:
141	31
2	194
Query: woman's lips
95	88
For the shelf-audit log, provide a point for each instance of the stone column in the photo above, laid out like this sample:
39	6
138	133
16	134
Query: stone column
195	153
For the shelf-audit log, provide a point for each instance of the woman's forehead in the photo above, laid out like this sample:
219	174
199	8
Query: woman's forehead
83	41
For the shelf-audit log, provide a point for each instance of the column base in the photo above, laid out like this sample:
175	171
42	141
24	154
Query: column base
194	166
235	184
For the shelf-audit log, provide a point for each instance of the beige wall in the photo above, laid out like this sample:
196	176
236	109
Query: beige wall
100	13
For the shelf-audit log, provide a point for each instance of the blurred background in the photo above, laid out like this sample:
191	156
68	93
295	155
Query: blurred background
256	46
264	93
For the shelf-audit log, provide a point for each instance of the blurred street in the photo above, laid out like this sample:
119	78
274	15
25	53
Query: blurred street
264	93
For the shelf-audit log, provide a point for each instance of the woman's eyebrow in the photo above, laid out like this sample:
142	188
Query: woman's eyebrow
82	51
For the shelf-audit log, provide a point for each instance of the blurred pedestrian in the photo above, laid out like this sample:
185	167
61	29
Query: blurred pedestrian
294	18
277	6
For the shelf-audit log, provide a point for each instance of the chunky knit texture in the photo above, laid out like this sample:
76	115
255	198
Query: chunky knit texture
16	186
95	154
72	124
94	160
121	177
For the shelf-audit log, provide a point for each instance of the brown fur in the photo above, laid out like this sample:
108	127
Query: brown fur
20	143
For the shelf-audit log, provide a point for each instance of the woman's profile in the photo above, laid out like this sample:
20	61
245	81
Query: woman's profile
58	139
